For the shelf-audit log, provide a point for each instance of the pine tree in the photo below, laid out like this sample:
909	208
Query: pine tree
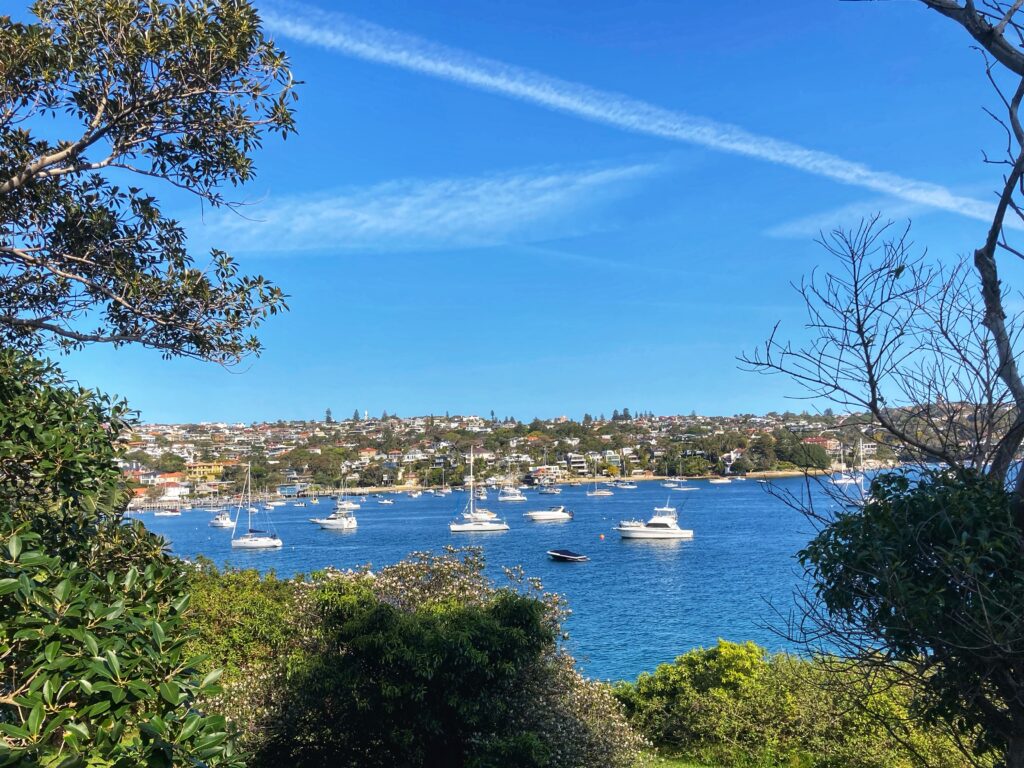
328	418
355	415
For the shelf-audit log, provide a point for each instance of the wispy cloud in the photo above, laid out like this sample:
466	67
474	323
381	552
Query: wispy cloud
418	214
363	40
844	216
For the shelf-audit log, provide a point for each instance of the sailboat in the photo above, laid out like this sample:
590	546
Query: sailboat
596	491
475	520
343	504
253	538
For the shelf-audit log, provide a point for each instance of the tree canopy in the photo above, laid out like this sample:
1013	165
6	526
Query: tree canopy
143	94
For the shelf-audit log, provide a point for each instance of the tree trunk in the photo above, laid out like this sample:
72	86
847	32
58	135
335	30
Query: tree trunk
1015	752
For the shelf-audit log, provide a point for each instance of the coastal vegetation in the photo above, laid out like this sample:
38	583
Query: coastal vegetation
421	659
115	653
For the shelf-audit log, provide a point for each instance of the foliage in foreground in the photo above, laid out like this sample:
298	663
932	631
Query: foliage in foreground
92	663
422	663
929	572
736	705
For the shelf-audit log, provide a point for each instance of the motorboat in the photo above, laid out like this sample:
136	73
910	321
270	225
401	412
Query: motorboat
277	503
668	485
556	513
628	486
474	520
385	501
481	494
567	556
550	490
511	493
415	494
662	525
339	520
167	513
252	538
314	500
222	520
344	505
300	503
719	481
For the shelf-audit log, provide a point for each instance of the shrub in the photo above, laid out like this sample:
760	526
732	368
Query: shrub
423	663
736	705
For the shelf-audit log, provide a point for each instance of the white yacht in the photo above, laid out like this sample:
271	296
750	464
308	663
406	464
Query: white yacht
550	490
222	520
481	494
167	513
719	481
511	493
252	538
600	492
662	525
668	485
475	520
551	514
385	501
626	485
338	520
415	494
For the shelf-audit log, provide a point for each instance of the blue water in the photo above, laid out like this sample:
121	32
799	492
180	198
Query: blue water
635	604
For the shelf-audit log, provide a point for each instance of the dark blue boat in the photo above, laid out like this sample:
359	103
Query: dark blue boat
567	556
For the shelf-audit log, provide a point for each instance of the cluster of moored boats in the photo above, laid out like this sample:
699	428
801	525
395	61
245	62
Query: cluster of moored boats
663	524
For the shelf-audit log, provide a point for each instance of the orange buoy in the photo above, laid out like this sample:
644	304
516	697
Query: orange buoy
602	537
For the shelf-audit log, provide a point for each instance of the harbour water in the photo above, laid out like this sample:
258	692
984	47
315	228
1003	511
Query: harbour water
635	604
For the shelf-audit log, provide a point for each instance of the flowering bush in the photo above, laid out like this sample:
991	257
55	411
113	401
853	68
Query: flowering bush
424	662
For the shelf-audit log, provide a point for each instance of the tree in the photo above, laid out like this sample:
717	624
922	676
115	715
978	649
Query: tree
91	621
355	415
328	417
930	353
180	92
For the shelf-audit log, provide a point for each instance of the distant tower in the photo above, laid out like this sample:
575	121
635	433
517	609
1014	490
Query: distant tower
328	418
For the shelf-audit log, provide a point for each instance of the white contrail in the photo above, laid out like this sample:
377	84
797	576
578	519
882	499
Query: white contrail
371	42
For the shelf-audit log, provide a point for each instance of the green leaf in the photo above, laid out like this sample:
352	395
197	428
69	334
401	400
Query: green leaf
14	546
170	693
35	719
211	678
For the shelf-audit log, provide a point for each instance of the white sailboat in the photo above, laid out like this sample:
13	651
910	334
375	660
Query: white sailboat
596	490
252	538
475	520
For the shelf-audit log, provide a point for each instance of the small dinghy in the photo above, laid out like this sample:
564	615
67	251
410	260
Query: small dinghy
567	556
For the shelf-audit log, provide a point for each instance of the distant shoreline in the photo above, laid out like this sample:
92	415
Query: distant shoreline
774	474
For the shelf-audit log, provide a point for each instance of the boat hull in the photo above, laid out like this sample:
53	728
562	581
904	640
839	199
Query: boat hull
478	527
336	525
647	533
548	517
262	542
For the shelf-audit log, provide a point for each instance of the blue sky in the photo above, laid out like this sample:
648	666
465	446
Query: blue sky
556	208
